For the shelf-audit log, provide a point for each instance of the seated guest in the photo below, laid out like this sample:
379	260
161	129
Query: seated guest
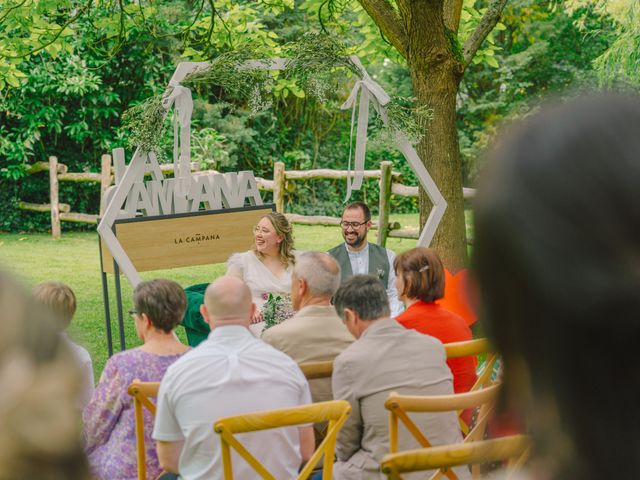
61	301
385	357
420	282
266	269
230	373
358	256
40	381
109	419
268	266
315	333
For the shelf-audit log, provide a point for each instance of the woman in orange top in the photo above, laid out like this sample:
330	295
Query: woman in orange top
420	282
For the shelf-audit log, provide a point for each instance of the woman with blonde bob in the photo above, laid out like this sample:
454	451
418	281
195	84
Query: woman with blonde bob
420	283
266	268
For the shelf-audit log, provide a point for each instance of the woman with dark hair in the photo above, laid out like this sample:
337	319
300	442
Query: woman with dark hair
557	261
109	418
420	283
267	267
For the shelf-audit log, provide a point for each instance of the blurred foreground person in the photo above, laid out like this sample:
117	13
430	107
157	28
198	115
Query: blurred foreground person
557	259
40	383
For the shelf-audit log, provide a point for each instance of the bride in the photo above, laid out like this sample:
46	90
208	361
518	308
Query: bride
267	267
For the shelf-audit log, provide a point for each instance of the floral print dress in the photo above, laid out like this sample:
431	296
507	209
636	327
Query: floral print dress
109	420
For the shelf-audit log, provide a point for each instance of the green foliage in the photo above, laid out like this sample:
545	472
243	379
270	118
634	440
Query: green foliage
28	27
145	123
227	71
619	64
469	19
65	95
541	52
314	61
70	106
406	117
208	149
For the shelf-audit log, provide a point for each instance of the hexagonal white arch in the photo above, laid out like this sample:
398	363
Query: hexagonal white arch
180	98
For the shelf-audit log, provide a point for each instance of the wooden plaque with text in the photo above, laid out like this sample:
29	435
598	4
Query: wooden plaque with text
184	240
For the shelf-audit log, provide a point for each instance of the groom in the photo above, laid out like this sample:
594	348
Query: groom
357	256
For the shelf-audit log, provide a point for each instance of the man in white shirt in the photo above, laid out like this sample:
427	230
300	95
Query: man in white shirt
230	373
356	256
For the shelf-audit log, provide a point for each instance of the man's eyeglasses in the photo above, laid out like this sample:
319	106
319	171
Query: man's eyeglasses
133	312
354	225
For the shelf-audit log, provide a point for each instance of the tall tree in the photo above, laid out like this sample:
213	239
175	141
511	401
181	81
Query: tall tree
425	33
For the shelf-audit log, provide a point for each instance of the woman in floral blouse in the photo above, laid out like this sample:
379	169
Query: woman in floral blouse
109	421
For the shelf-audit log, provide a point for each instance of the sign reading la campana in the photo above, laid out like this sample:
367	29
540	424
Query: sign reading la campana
175	195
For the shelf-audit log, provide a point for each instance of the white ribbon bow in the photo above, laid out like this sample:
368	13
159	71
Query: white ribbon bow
180	98
371	90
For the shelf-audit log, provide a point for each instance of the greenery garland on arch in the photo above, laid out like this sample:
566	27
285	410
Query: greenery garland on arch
312	63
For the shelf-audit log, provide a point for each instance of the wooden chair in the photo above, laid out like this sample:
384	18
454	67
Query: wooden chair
313	370
334	412
476	347
514	448
400	405
141	393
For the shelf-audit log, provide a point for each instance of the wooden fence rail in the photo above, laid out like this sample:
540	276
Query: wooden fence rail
61	212
388	179
389	182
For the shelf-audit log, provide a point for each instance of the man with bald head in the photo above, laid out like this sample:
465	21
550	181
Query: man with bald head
230	373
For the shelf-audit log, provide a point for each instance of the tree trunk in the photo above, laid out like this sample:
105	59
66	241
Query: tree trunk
436	70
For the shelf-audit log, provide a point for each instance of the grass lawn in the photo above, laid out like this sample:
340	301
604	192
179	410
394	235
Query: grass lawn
74	260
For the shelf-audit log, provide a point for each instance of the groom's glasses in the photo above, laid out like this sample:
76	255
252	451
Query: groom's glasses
348	225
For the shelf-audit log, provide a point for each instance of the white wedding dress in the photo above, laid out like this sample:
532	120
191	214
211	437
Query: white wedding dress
259	279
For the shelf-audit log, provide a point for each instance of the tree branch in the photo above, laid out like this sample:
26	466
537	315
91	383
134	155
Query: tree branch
56	35
452	10
389	23
487	23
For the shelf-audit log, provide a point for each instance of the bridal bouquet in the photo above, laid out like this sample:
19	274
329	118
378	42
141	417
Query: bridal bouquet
276	309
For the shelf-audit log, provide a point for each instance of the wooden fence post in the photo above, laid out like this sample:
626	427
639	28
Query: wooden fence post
385	202
278	186
105	180
53	196
118	164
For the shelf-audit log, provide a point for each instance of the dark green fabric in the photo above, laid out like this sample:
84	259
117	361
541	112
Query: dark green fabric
195	326
342	257
378	262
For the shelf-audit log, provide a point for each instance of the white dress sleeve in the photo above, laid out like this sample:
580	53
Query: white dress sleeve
395	305
236	265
